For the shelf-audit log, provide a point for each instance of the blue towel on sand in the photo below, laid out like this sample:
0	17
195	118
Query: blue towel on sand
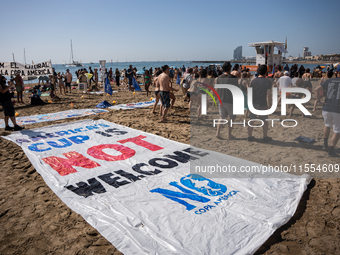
104	104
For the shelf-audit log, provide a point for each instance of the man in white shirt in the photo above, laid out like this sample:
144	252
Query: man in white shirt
284	82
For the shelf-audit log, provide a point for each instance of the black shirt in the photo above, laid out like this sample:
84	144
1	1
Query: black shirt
260	86
4	96
128	74
225	94
331	89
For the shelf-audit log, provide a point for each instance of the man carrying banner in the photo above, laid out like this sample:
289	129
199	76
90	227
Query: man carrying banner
7	105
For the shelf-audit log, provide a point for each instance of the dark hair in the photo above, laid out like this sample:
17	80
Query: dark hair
296	74
226	66
307	70
262	69
190	70
165	67
236	66
204	73
158	73
330	74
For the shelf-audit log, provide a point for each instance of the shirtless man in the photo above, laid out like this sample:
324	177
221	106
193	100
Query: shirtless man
307	80
156	84
164	93
68	80
277	73
236	72
19	85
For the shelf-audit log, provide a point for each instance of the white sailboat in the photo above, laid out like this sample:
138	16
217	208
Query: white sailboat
73	63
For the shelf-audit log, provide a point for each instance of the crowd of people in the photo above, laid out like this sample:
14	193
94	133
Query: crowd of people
262	85
192	81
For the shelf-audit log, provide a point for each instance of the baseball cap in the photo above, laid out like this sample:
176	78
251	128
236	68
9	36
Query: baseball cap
286	72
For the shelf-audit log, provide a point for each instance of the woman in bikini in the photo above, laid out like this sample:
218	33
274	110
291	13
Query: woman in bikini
147	82
60	78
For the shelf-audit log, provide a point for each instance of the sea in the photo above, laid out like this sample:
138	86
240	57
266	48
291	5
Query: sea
144	64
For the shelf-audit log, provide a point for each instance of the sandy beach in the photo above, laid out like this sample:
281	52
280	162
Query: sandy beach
35	221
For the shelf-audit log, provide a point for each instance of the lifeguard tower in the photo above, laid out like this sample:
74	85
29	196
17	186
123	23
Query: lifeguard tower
268	53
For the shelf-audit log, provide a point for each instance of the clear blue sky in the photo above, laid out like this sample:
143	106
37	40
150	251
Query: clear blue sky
162	30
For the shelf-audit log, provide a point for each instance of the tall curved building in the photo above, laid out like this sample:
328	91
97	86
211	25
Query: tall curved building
238	53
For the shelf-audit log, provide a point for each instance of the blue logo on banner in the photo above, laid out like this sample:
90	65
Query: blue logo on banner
197	183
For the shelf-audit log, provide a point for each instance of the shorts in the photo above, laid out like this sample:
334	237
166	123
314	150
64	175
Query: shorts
261	117
226	109
307	84
156	93
130	81
165	98
8	108
18	88
332	119
68	84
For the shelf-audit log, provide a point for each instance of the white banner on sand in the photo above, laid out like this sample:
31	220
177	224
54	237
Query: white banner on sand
100	92
12	68
26	120
135	188
134	105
